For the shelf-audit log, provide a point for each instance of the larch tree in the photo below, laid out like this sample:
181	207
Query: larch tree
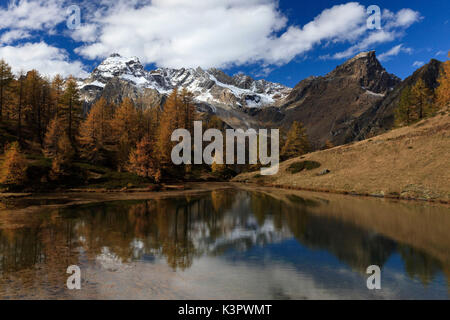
296	143
18	105
95	131
422	98
54	131
143	160
62	163
187	110
443	91
167	125
72	112
33	104
405	112
6	78
14	166
125	125
57	92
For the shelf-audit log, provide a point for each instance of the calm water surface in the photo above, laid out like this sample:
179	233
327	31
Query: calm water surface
234	244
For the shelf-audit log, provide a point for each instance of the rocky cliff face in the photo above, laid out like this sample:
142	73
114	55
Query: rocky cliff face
118	77
354	101
380	117
328	106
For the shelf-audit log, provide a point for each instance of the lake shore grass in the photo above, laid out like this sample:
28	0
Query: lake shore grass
410	163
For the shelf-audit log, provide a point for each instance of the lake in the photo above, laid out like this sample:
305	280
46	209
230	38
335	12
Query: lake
237	243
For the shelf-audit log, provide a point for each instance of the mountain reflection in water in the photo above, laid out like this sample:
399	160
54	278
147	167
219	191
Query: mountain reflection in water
270	244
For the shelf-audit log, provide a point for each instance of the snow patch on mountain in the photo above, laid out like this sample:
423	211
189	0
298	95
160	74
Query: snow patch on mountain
240	90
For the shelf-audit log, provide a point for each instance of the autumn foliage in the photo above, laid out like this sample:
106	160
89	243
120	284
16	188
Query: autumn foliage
296	143
443	91
14	166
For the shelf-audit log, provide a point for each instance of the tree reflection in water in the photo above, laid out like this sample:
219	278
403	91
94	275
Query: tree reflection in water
182	229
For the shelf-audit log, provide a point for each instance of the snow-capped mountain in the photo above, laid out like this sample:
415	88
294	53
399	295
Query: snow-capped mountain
212	86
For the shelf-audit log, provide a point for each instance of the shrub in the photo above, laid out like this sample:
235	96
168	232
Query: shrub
297	167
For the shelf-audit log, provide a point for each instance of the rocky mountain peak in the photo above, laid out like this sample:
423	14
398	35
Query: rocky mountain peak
116	66
368	71
212	87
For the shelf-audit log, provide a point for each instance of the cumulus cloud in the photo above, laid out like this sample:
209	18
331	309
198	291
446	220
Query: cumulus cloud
394	25
179	33
216	33
46	59
32	14
395	51
13	35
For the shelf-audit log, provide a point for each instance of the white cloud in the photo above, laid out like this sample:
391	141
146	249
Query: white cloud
179	33
13	35
403	18
393	28
46	59
219	33
395	51
418	64
85	33
32	14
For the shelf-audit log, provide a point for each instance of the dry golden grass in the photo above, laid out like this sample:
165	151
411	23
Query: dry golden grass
410	162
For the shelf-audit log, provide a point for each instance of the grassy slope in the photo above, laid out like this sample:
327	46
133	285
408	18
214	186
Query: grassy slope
409	162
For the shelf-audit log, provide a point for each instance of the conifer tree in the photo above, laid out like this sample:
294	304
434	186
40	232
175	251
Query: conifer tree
423	99
95	132
405	112
57	92
18	89
168	123
443	91
186	110
296	142
125	125
72	111
54	131
62	163
143	161
14	167
33	104
6	78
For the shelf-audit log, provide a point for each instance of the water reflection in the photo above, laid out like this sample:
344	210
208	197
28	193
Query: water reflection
286	229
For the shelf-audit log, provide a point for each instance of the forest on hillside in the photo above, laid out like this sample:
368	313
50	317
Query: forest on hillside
48	141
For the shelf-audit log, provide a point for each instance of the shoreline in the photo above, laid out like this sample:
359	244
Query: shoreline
348	193
86	196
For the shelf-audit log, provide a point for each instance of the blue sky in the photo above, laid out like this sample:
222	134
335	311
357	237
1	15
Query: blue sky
283	41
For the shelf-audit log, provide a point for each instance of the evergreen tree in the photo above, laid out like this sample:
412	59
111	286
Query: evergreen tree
14	167
296	142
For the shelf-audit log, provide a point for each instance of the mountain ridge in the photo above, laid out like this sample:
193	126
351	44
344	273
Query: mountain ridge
351	102
210	86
